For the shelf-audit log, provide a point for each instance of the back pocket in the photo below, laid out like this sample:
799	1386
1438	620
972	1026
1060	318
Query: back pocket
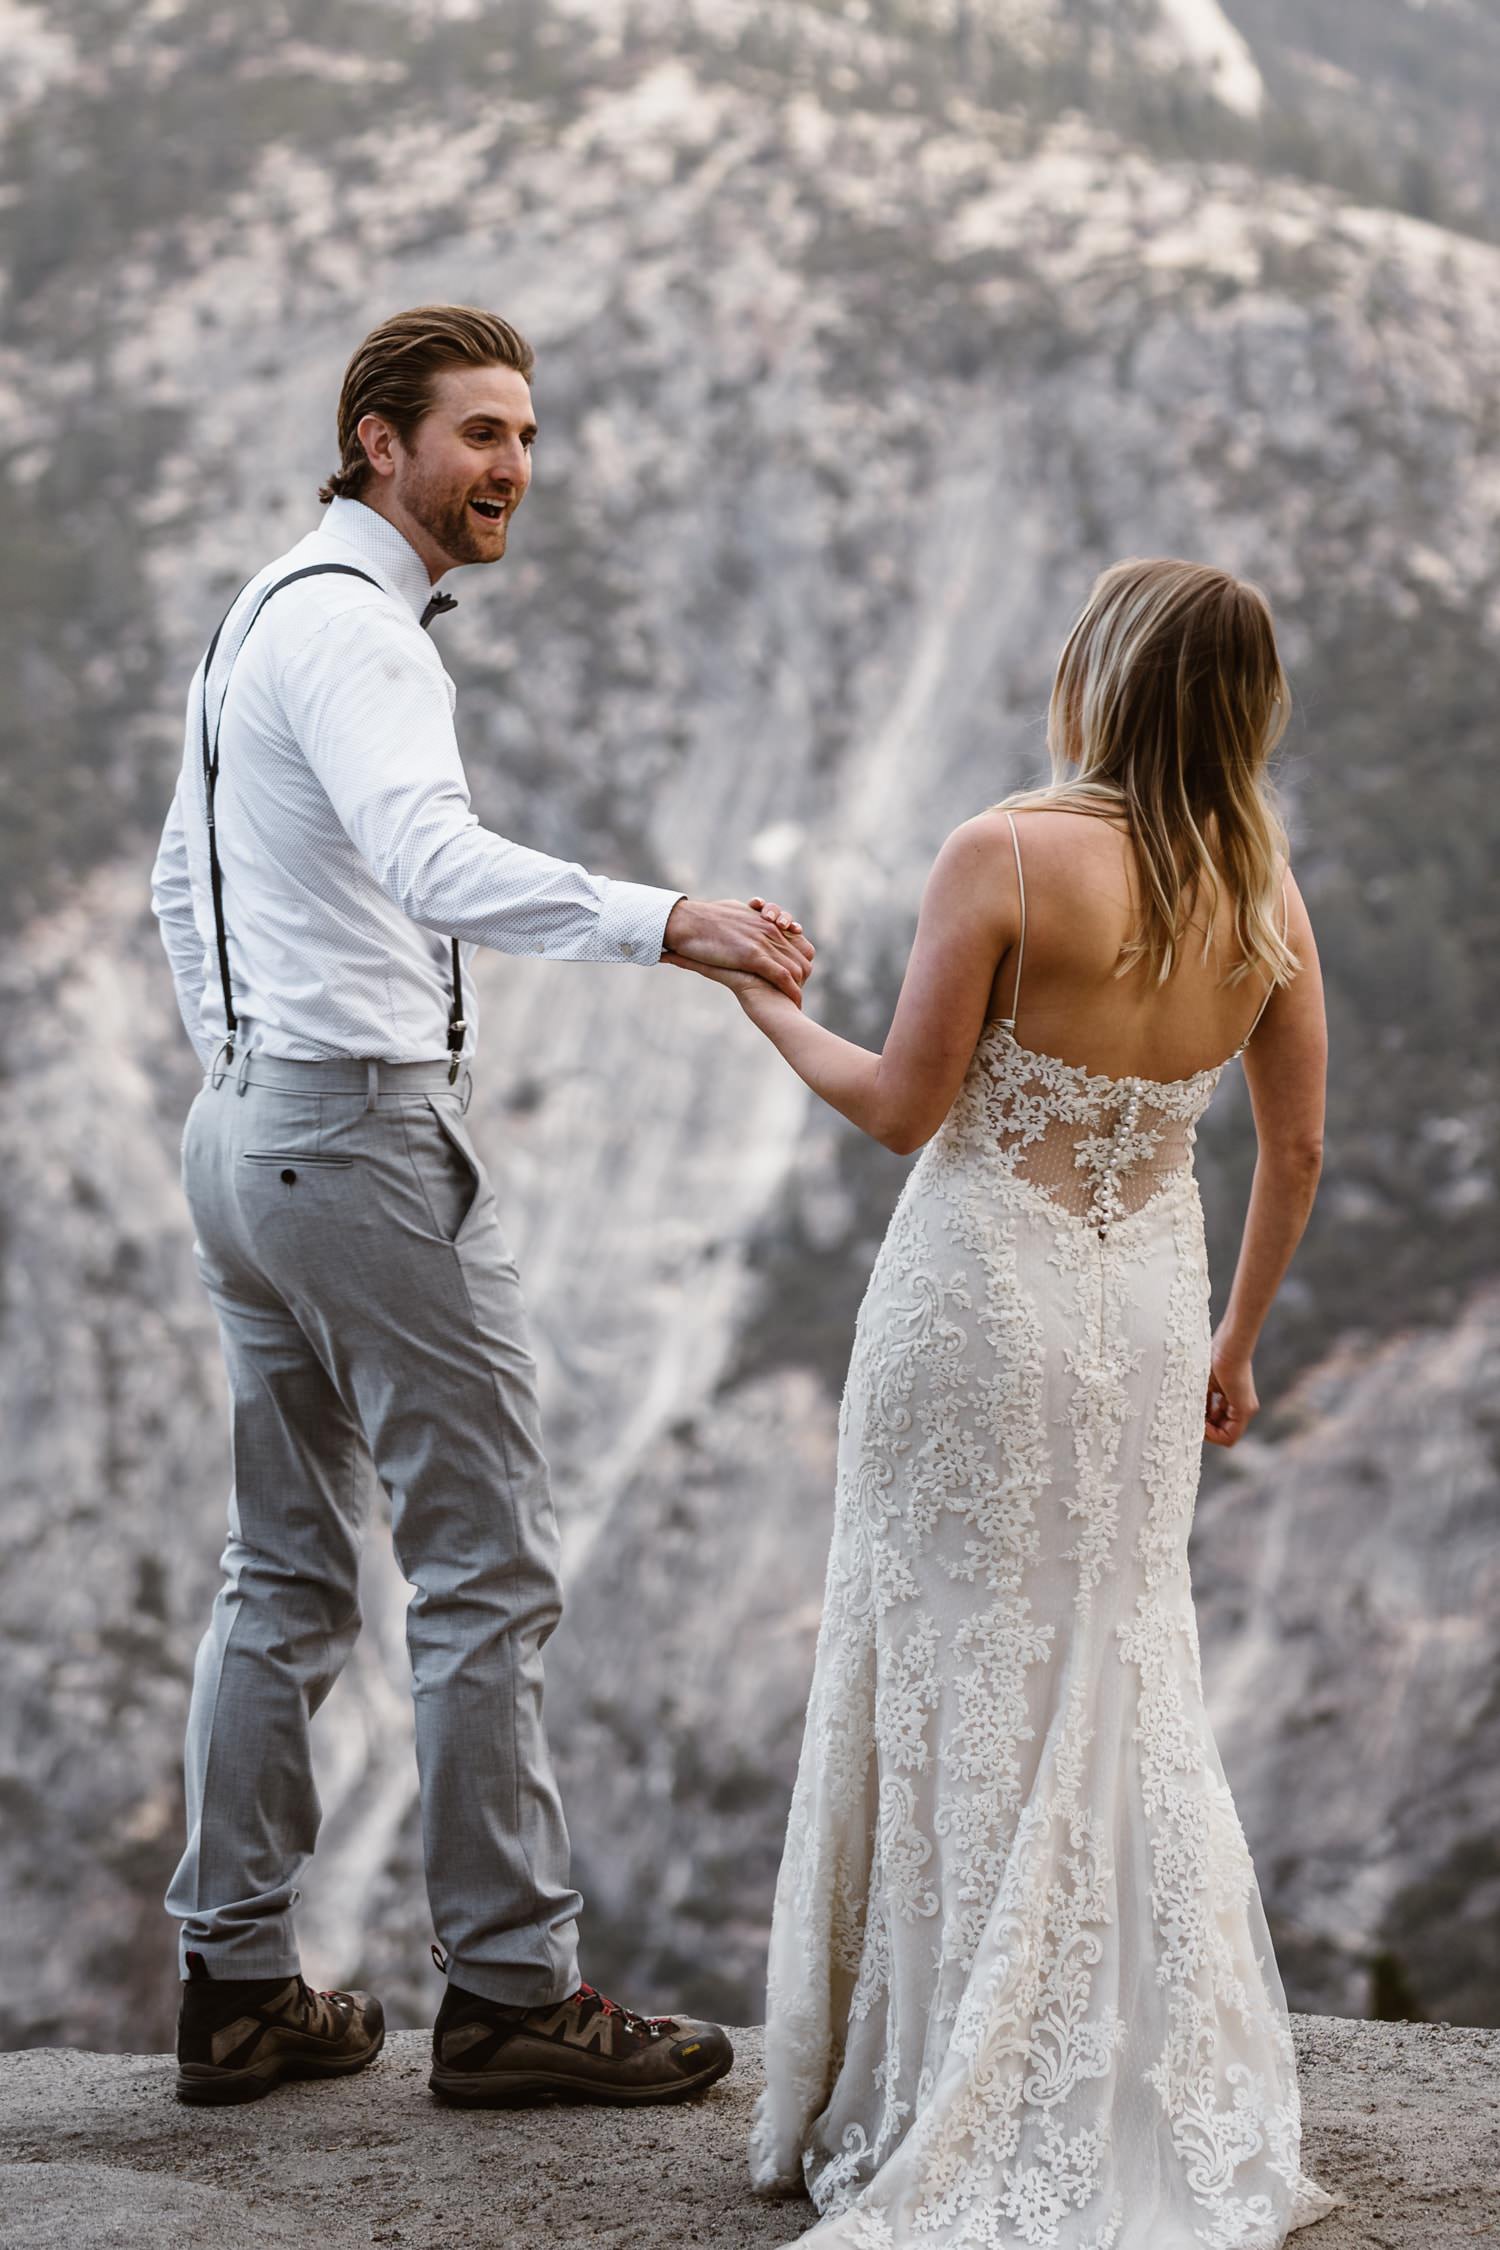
288	1156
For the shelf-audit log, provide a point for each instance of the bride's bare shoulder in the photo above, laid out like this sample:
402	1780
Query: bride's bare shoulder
1049	835
973	879
1066	825
986	831
975	850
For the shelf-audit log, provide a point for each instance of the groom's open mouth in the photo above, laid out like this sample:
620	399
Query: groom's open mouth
493	511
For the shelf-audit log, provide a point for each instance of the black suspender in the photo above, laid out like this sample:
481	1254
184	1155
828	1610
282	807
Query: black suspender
439	602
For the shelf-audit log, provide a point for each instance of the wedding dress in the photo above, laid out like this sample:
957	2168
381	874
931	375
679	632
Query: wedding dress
1021	1989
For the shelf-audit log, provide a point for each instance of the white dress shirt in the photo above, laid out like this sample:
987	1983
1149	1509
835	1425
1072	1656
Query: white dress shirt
348	851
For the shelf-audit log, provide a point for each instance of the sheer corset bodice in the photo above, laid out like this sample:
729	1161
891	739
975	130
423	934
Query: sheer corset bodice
1097	1149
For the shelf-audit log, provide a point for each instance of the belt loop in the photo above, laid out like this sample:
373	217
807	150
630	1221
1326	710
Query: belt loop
216	1067
240	1080
372	1083
468	1091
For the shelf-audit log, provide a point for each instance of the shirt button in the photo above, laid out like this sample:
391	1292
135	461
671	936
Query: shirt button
626	946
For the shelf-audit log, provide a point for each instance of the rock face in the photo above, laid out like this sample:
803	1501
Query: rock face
1347	1572
866	336
1403	2121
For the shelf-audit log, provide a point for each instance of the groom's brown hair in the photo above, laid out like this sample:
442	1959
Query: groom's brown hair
391	375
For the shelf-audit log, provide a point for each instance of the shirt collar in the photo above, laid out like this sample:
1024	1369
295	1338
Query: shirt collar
377	541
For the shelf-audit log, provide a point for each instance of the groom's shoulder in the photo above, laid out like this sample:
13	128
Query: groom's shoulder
330	587
337	578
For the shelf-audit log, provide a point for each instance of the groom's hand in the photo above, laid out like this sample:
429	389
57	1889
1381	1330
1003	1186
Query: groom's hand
727	934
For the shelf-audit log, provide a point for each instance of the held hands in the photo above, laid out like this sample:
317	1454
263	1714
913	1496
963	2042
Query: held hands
754	947
1232	1402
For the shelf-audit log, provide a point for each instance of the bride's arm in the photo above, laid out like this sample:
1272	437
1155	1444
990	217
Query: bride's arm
969	917
1285	1070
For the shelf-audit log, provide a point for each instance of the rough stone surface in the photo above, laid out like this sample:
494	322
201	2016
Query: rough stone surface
1402	2119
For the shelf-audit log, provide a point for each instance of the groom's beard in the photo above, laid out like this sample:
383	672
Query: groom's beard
448	520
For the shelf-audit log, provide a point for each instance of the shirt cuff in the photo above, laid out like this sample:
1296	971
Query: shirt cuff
633	922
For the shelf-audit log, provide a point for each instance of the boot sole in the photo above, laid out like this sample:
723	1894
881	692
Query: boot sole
205	2084
492	2090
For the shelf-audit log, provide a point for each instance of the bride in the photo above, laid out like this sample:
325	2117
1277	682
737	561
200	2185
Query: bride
1021	1986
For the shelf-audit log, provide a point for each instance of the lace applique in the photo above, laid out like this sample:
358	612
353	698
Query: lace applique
994	1406
873	1965
1102	1365
904	1852
909	1696
990	1656
1096	1149
1031	2036
1169	1470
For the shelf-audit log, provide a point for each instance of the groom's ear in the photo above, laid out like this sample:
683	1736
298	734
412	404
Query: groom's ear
379	440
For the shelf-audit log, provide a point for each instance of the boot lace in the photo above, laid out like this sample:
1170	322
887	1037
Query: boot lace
642	2027
340	2004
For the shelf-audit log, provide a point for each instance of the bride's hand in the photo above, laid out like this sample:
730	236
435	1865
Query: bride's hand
741	982
1232	1402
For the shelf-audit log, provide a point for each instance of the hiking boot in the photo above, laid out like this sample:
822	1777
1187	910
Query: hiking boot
238	2037
582	2049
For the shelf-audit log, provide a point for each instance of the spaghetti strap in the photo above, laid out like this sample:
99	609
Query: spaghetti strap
1009	1022
1270	988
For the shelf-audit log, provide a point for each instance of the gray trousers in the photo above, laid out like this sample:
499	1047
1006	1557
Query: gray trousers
347	1235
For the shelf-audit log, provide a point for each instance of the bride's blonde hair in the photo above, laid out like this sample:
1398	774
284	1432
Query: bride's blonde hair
1168	702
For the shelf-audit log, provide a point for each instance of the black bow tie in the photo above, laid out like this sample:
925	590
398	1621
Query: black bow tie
437	607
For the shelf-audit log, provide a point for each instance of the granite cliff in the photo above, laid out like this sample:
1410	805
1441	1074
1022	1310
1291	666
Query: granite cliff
866	335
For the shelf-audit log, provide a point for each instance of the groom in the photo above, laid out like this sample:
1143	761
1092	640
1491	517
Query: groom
318	869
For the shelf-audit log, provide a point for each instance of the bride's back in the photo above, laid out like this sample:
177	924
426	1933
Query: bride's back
1082	901
1157	832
